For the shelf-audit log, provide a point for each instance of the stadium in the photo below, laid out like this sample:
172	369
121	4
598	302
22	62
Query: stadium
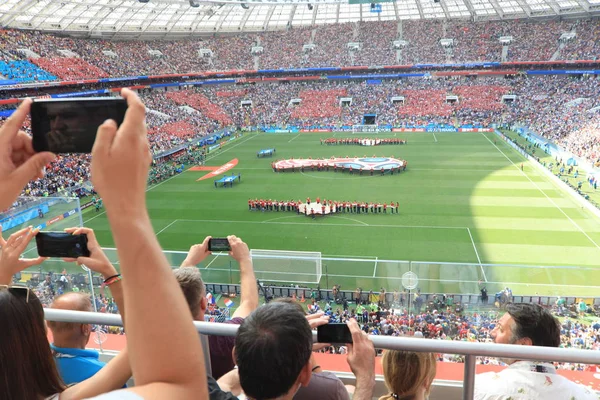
417	165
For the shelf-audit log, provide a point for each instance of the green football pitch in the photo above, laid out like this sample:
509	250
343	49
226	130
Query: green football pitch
464	201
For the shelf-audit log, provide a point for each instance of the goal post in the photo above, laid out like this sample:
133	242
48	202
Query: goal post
366	129
287	266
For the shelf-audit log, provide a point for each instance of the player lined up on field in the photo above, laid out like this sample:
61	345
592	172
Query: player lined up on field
334	205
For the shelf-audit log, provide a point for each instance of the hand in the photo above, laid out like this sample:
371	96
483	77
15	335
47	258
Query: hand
121	159
239	249
97	261
317	319
10	257
361	353
197	254
19	164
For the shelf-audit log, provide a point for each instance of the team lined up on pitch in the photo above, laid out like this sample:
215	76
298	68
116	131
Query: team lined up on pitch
363	141
322	207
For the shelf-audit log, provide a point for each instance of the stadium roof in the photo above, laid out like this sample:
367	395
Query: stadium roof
179	17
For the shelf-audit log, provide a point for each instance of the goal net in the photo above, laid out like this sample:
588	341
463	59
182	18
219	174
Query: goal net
287	266
365	129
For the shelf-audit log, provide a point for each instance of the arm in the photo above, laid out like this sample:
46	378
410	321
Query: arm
361	358
162	367
98	262
249	296
197	254
19	164
230	382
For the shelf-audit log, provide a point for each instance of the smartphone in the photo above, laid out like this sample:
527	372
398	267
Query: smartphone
218	244
62	245
334	333
70	125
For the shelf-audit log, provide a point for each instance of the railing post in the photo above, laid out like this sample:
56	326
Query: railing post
469	378
206	349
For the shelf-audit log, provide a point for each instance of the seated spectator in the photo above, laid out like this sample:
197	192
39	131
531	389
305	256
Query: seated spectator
194	290
408	375
74	362
278	338
528	325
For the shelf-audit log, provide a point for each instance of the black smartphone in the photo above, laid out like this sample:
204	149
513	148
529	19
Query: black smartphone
62	244
70	125
218	244
334	333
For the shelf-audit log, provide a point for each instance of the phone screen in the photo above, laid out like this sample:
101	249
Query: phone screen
70	126
61	244
219	244
334	333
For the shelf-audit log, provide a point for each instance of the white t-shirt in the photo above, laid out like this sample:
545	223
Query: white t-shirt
524	380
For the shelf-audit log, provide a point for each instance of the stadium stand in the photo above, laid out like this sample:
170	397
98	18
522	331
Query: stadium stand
24	71
69	68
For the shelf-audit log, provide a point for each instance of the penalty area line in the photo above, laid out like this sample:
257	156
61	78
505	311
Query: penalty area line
289	141
166	227
477	254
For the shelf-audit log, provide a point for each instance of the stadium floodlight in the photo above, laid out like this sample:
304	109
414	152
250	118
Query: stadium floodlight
194	4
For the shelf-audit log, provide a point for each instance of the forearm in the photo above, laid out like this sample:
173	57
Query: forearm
116	290
143	264
230	382
365	388
249	289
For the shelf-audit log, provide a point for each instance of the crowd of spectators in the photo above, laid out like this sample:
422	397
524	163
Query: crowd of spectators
532	41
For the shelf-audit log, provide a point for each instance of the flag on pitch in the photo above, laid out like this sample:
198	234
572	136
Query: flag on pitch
210	298
229	303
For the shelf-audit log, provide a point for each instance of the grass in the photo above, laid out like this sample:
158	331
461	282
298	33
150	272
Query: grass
464	201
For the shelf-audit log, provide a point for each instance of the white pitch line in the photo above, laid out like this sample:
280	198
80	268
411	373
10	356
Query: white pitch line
166	227
477	254
318	224
350	219
544	193
213	260
375	269
174	176
434	136
289	141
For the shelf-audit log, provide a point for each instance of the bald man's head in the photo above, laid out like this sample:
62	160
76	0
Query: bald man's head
69	334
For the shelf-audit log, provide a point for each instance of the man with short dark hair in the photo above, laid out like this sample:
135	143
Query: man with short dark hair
273	348
528	324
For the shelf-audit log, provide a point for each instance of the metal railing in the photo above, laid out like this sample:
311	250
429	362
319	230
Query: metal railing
470	350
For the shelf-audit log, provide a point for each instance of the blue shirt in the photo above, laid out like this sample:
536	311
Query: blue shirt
76	365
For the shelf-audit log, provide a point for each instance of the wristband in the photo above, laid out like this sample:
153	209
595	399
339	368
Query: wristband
115	278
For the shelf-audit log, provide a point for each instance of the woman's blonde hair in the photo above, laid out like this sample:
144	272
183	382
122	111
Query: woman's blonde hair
406	372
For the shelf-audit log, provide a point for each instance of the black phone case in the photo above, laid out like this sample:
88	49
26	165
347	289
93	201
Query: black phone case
334	333
76	132
61	245
218	245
